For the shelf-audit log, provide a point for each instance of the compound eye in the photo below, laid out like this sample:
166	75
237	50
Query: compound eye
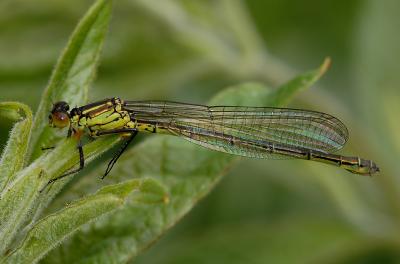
60	119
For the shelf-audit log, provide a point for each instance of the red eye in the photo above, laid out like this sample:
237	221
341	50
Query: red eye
60	119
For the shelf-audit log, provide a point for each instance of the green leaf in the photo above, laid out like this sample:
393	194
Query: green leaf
20	202
53	229
250	94
70	82
74	71
285	93
16	204
22	199
13	156
188	171
256	94
54	166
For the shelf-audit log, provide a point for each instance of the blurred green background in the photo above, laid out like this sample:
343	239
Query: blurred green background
262	211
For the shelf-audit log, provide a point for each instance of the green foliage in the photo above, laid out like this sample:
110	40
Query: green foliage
13	156
186	182
74	71
278	212
50	231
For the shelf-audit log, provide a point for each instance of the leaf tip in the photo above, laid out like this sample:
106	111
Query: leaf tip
325	66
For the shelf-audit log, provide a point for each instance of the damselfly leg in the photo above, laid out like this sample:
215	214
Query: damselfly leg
81	166
123	146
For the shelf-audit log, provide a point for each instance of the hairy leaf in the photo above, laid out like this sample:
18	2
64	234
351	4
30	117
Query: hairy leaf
74	71
13	156
53	229
21	203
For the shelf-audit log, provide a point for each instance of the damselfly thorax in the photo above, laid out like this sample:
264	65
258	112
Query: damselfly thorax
108	115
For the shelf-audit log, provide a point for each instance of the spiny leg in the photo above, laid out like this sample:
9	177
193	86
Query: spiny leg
122	149
81	166
133	132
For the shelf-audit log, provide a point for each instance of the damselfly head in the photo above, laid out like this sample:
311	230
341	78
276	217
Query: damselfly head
59	116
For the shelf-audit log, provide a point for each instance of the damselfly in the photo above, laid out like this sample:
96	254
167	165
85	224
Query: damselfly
256	132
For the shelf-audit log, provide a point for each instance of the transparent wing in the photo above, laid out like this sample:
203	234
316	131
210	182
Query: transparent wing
246	131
